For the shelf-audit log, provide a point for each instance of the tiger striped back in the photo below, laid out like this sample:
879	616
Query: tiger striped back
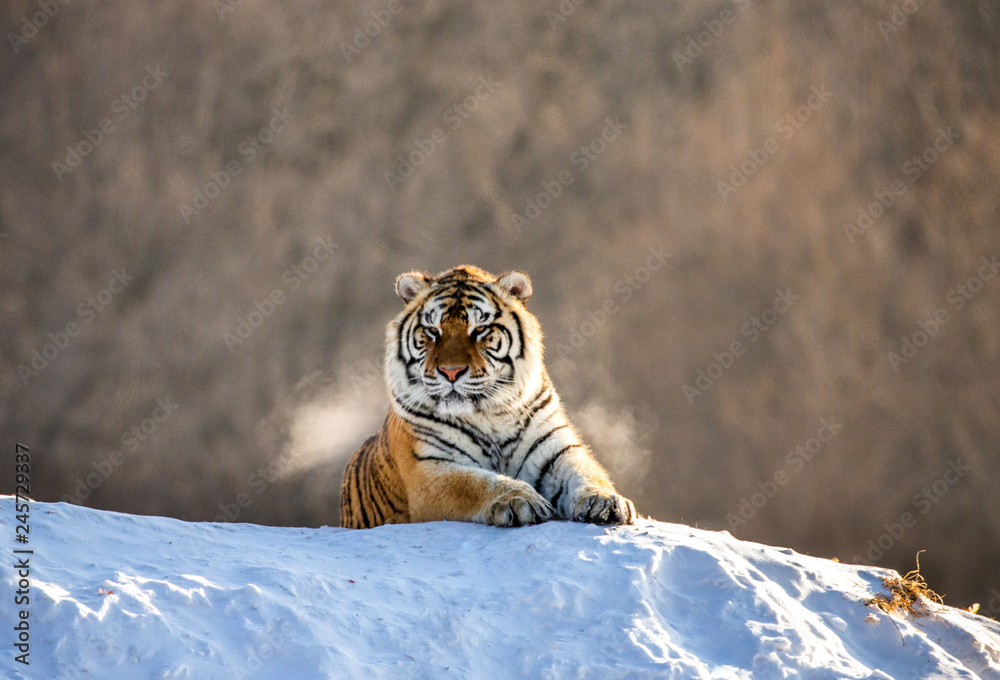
371	491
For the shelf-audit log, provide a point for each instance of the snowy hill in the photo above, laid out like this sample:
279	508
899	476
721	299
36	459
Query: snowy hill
122	596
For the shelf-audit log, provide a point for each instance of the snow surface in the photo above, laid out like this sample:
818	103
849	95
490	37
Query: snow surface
440	600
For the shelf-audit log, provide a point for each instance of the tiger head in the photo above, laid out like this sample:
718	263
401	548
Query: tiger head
464	344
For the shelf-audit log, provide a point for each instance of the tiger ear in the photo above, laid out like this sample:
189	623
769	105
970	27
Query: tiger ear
516	283
411	284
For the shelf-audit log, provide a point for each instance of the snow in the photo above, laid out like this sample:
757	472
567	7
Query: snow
439	600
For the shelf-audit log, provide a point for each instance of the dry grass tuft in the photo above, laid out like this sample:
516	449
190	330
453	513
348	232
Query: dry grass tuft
909	593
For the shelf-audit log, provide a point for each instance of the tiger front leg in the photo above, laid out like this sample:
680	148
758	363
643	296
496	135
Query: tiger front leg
580	490
445	491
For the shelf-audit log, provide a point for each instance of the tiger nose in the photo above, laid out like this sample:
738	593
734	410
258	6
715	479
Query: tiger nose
452	372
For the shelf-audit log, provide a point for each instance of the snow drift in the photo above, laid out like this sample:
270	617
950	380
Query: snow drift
123	596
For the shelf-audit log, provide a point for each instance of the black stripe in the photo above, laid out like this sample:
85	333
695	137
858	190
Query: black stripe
536	409
547	468
384	500
370	484
377	513
478	296
382	496
459	284
506	360
512	439
543	420
497	300
386	463
347	501
543	391
366	476
538	442
433	458
357	485
520	334
558	494
420	428
477	437
400	335
389	501
432	439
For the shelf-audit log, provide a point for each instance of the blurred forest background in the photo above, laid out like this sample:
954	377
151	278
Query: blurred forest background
203	207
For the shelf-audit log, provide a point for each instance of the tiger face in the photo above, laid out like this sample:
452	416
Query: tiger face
464	344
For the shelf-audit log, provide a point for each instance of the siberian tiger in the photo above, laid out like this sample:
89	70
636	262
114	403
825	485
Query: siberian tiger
476	431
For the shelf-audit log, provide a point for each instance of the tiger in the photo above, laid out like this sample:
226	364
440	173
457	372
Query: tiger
475	431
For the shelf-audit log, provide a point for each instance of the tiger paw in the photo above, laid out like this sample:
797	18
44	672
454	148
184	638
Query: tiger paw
605	508
518	506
